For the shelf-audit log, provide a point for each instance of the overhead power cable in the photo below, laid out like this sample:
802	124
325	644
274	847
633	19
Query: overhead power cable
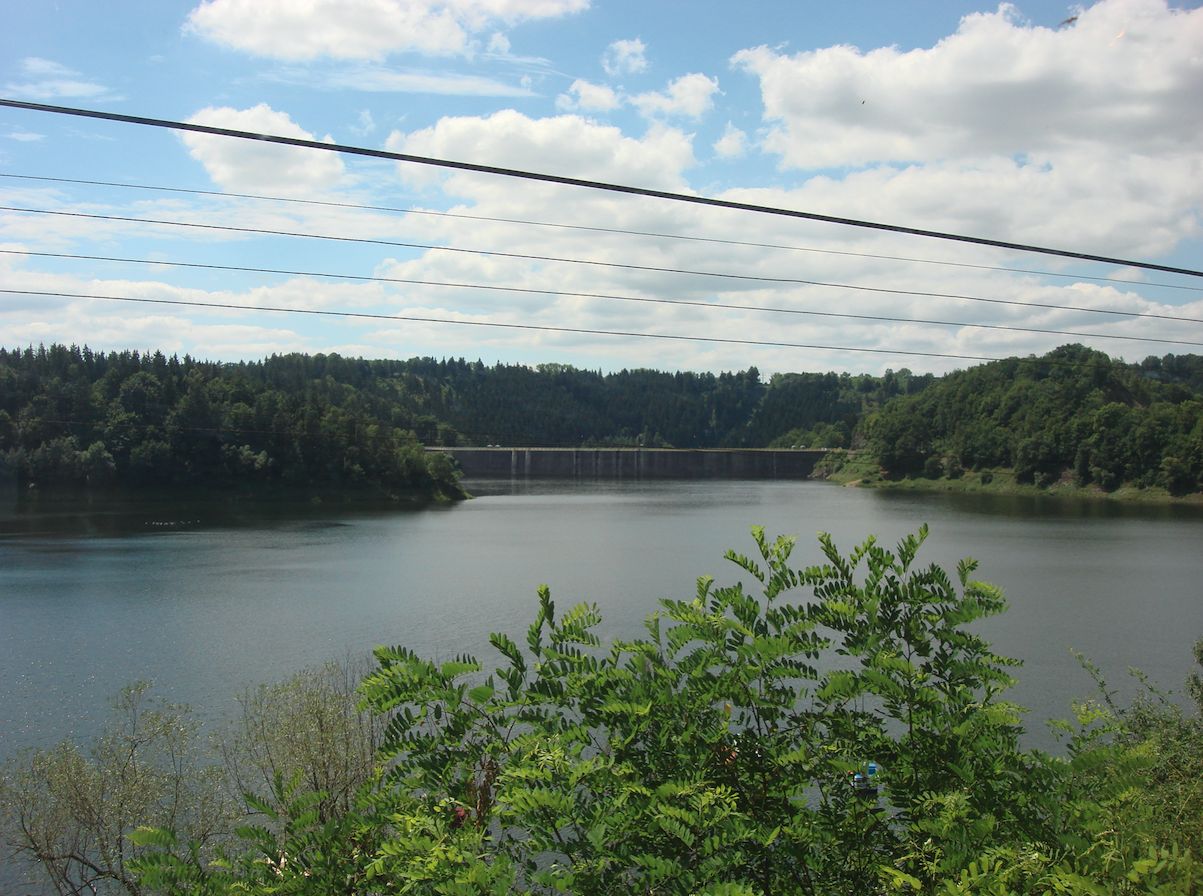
259	231
589	184
414	318
594	229
726	306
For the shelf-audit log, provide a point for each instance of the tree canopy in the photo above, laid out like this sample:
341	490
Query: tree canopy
72	416
1074	411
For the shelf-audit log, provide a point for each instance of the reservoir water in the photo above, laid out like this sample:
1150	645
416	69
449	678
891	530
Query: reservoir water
204	599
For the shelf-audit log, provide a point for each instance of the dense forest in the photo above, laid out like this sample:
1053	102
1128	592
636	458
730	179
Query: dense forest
1074	412
70	416
556	404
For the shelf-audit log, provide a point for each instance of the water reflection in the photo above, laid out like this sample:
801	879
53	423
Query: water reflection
1064	507
204	596
114	517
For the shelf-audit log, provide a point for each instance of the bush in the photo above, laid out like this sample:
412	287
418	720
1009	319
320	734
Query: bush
718	754
710	756
68	811
72	813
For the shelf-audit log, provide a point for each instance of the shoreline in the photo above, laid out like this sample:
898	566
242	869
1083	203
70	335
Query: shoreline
862	471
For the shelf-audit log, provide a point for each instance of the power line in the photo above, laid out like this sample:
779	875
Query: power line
641	299
550	329
590	184
593	229
607	264
489	324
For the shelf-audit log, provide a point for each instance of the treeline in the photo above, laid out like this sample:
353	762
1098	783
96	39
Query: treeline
559	404
556	404
1074	412
70	417
73	416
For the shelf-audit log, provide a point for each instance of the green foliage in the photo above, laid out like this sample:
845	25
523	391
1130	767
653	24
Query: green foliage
75	419
726	751
292	851
1073	409
822	435
306	730
715	754
327	419
70	811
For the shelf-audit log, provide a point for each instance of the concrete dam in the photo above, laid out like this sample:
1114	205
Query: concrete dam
636	463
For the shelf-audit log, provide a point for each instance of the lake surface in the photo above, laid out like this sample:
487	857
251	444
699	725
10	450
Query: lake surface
204	599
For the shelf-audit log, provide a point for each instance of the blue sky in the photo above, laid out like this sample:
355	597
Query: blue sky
1007	122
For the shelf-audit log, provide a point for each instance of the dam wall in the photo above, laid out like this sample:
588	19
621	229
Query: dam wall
635	463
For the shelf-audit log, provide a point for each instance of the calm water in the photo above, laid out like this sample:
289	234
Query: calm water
203	600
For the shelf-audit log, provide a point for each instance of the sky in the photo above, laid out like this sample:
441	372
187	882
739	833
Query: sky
1071	127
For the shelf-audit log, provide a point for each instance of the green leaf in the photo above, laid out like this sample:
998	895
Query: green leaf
482	694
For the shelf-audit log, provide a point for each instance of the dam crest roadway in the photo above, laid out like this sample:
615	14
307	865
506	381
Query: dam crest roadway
636	463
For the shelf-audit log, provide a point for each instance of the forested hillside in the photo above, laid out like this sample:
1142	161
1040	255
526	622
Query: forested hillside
1074	411
554	404
74	418
69	416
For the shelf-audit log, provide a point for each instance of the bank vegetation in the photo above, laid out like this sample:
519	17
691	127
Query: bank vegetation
840	728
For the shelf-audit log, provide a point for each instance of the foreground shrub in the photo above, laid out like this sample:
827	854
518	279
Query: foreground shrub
727	751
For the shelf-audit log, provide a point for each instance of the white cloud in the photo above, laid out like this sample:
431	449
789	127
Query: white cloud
997	86
589	97
385	81
565	144
46	80
366	124
1070	137
248	166
360	29
1062	183
235	333
24	136
378	79
625	57
573	145
734	142
687	95
499	43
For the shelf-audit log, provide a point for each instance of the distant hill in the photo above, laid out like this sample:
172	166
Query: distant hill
1074	411
73	417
